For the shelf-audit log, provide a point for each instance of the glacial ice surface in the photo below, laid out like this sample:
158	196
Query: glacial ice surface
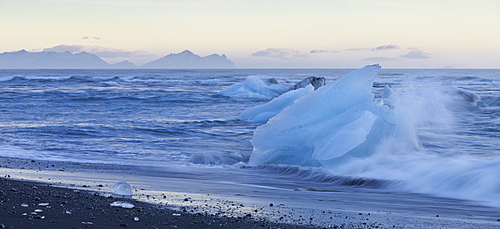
336	121
262	113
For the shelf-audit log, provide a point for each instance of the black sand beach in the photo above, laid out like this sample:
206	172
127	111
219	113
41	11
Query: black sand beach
38	205
48	194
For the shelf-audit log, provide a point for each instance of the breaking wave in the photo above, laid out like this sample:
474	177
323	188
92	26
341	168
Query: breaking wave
410	136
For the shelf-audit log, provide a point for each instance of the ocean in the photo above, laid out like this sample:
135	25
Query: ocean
174	124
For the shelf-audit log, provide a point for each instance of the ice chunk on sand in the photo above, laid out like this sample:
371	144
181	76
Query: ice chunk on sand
122	204
122	189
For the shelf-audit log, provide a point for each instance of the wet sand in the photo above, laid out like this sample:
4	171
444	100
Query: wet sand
77	195
39	205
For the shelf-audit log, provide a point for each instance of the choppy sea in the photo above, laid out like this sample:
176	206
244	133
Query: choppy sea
175	123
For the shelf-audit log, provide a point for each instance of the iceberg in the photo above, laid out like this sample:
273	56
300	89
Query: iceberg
262	113
329	125
256	88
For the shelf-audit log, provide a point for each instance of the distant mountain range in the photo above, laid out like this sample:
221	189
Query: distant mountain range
66	60
187	59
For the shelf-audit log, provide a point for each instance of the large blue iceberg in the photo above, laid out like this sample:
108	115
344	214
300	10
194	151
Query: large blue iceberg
332	124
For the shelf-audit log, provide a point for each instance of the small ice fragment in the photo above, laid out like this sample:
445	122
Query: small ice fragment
38	210
176	214
136	219
87	223
24	205
122	189
25	214
122	204
43	204
68	212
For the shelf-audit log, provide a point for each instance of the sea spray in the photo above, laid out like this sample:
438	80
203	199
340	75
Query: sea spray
255	87
343	128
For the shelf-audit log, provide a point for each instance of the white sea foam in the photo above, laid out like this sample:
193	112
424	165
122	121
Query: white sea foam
7	78
492	83
254	87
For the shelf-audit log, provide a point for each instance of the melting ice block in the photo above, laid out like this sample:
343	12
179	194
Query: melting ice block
122	189
337	120
264	112
122	204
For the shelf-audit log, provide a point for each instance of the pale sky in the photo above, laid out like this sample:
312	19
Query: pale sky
263	33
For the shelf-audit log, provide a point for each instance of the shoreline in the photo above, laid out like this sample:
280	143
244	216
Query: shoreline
38	205
244	206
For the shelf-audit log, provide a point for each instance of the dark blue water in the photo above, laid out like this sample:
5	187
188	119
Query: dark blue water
127	116
165	117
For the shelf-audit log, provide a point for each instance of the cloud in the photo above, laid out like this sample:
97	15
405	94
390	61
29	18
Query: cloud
380	59
417	53
323	51
280	53
102	52
92	38
386	47
356	49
